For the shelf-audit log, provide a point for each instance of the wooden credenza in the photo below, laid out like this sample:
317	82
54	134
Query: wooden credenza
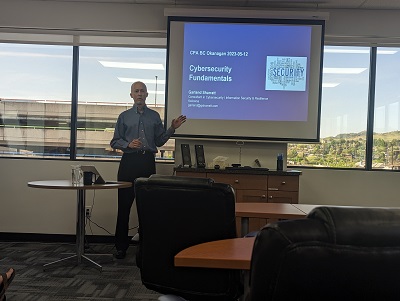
253	185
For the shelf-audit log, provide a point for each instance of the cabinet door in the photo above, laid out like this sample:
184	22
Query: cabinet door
283	197
191	174
241	181
251	196
285	183
221	178
283	189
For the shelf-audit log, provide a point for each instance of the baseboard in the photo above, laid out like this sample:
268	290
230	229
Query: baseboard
67	238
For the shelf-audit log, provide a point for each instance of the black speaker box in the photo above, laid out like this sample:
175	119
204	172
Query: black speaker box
186	159
200	159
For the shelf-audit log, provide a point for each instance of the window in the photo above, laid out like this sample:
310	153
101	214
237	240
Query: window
36	88
35	105
105	78
344	109
386	150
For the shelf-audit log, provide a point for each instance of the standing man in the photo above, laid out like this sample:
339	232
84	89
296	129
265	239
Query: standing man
138	133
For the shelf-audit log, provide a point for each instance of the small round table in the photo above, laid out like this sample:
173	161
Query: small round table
81	199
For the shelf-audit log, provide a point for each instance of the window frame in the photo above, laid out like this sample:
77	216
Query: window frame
131	40
158	40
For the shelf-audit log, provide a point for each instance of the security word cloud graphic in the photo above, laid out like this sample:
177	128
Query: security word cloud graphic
286	73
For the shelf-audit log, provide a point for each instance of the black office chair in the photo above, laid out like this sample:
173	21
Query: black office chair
336	253
178	212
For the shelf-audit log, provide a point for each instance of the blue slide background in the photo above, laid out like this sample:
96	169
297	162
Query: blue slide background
248	73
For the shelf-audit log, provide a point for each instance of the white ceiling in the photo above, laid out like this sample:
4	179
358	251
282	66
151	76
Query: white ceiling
307	4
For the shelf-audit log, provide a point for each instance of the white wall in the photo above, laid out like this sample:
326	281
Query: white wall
81	15
129	17
34	210
31	210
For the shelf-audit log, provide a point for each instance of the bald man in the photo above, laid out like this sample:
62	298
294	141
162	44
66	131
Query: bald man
138	133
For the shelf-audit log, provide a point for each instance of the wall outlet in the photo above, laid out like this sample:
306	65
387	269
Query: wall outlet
88	211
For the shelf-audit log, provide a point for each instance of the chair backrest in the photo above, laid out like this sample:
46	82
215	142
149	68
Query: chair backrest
178	212
336	253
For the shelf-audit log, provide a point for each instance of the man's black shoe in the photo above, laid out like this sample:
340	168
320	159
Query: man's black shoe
120	254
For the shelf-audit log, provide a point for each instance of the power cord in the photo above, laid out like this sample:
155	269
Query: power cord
89	222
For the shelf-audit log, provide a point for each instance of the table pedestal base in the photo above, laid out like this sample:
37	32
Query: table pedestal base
79	261
80	236
80	254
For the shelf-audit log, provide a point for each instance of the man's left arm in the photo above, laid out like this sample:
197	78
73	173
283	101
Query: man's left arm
162	136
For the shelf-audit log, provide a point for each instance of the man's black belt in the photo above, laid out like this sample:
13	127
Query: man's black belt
140	152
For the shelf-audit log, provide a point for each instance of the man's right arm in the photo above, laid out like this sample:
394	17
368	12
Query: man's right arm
119	140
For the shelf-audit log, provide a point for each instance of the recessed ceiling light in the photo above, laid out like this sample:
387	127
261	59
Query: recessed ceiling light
330	85
132	65
357	51
146	81
343	70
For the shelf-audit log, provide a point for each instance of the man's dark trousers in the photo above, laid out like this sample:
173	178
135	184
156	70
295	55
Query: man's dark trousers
131	167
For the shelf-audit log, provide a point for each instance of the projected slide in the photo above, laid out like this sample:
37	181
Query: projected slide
246	72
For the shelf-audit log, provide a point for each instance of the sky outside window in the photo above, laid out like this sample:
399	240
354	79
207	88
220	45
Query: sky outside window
36	72
345	90
387	90
105	78
35	94
106	74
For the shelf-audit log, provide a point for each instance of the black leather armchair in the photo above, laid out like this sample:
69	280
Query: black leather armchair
178	212
336	253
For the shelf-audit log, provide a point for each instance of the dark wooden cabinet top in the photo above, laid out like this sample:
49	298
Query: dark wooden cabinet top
243	170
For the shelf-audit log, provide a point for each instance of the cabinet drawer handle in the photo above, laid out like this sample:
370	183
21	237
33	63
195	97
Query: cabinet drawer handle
236	181
263	196
283	182
270	196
